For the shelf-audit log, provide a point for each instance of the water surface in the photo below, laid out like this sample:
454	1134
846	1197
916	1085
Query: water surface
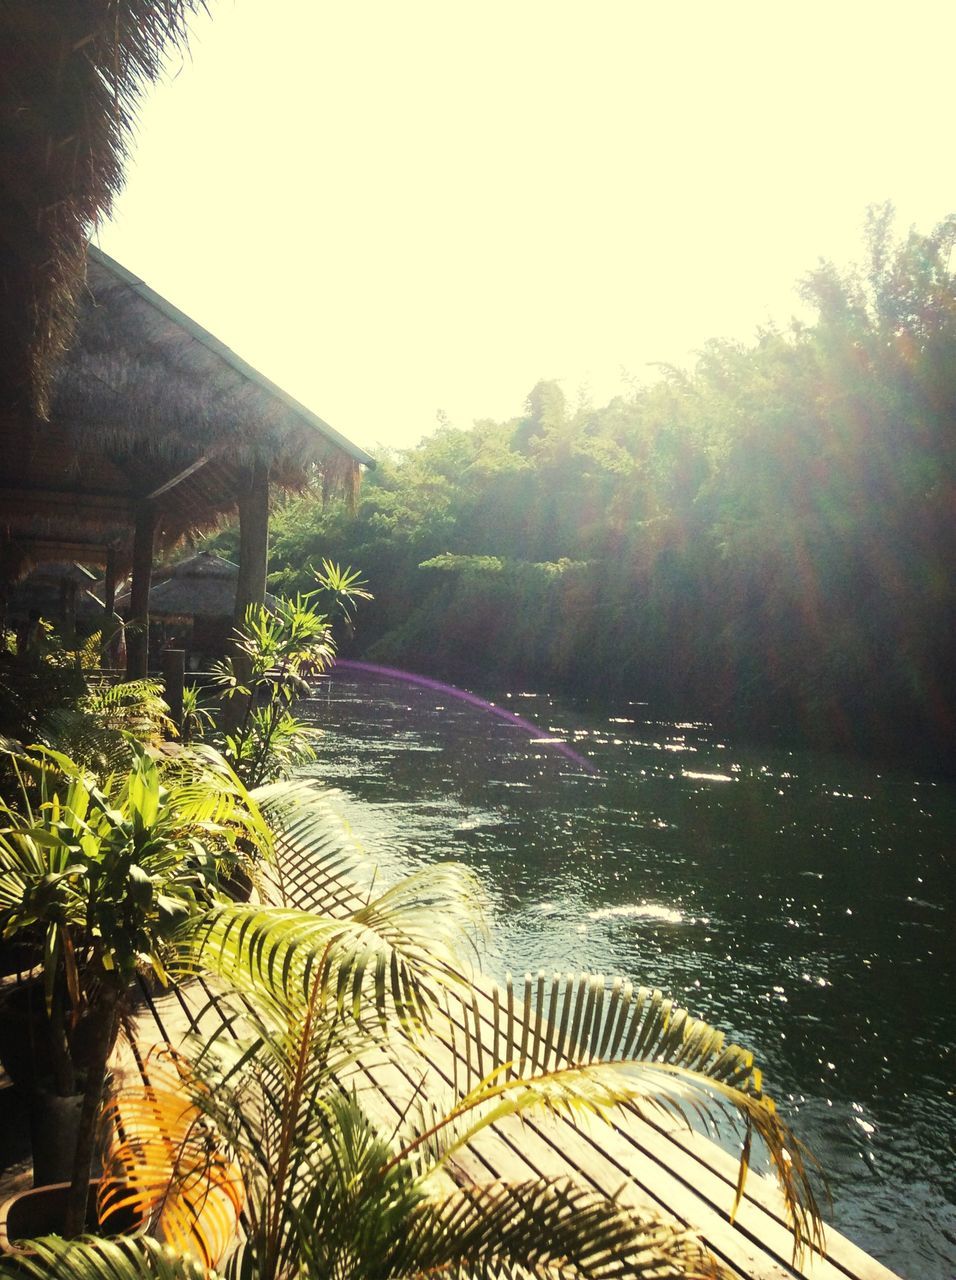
801	902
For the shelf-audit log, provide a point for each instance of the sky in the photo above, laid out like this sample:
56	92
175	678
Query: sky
406	212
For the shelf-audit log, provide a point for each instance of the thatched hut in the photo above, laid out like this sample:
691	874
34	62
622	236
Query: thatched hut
70	79
58	591
191	605
157	429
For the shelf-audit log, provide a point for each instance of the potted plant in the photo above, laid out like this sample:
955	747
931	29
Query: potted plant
107	871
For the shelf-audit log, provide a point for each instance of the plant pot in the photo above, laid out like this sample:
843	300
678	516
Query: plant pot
26	1041
42	1212
26	1048
18	957
54	1125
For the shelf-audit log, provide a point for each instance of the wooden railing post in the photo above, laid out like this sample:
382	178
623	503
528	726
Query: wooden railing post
173	667
137	638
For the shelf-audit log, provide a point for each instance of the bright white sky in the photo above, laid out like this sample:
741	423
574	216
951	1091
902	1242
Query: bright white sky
395	209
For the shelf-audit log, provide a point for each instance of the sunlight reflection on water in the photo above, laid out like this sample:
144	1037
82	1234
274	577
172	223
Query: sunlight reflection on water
806	909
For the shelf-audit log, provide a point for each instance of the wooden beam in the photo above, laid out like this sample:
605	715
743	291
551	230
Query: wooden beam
68	612
137	639
109	586
173	666
61	549
35	499
108	646
178	478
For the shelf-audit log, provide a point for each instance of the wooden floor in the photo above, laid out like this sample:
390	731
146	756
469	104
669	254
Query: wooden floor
667	1168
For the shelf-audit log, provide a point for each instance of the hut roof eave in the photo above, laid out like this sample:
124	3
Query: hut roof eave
236	362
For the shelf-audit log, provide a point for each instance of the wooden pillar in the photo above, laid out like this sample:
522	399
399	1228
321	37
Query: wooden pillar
68	612
108	629
109	587
253	565
137	638
173	666
253	540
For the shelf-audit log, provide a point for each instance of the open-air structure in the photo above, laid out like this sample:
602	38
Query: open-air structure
193	602
123	423
156	430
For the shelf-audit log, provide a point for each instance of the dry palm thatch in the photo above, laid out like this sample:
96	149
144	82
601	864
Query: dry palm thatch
204	586
146	383
148	406
71	76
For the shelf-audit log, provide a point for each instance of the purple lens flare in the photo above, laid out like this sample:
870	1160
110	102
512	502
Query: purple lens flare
509	717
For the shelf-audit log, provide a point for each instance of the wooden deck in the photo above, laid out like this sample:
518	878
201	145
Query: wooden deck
650	1165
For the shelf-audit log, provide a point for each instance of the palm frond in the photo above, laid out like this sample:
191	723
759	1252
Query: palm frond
311	833
578	1018
573	1047
92	1258
99	729
369	967
168	1162
372	1216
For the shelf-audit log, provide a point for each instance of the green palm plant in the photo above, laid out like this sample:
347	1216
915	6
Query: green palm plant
106	872
99	729
55	695
197	719
275	651
340	589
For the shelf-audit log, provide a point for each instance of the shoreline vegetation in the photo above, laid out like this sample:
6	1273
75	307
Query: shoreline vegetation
765	541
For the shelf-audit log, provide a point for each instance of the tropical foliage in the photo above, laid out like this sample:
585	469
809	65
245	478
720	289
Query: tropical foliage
54	695
767	537
103	873
264	1112
275	651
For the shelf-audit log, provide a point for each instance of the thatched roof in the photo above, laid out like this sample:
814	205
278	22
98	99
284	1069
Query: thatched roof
204	586
144	374
149	406
61	571
71	73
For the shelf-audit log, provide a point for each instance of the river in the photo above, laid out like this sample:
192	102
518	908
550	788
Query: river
804	903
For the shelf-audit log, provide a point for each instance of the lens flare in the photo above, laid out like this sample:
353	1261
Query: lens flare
509	717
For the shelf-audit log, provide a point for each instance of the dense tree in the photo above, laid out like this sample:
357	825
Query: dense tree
769	537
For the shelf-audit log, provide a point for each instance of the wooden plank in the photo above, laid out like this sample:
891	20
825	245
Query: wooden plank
603	1156
651	1165
701	1163
699	1176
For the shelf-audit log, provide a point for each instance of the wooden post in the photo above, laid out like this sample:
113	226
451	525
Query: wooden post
68	611
137	640
173	666
253	541
108	629
253	565
109	586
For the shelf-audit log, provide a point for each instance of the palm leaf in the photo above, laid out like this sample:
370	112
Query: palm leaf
166	1161
573	1047
389	960
313	839
91	1258
370	1215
